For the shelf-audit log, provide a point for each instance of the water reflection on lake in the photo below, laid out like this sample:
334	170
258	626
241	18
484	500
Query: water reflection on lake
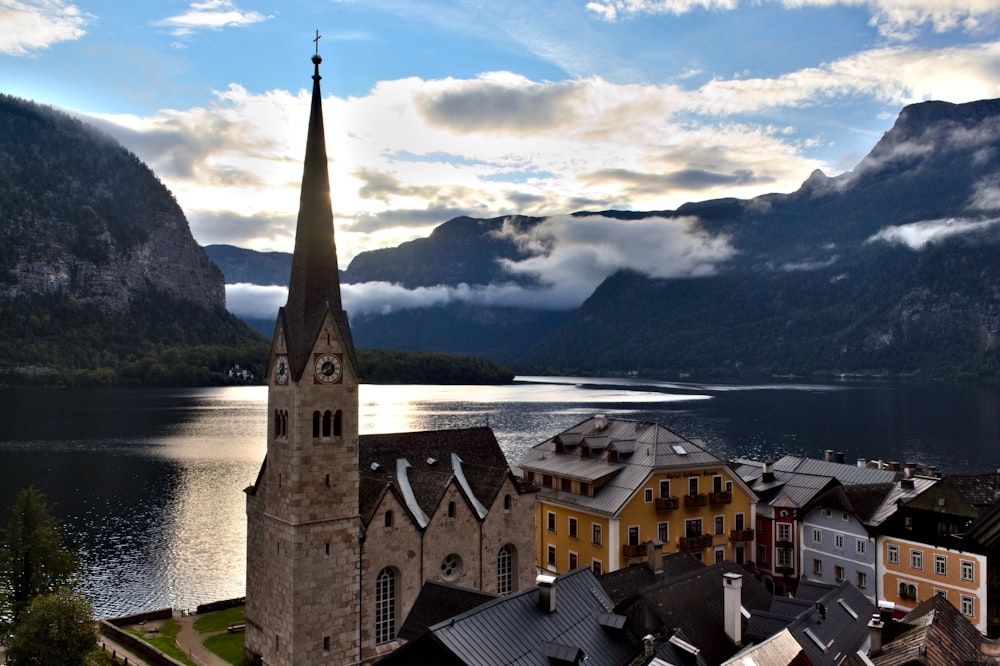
149	482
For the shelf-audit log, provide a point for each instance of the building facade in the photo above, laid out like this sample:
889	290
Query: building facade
609	487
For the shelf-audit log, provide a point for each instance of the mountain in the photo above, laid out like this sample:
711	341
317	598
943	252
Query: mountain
99	274
892	268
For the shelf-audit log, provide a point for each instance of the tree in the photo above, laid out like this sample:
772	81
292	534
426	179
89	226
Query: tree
32	562
55	629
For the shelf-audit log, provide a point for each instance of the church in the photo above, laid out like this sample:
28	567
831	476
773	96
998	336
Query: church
343	529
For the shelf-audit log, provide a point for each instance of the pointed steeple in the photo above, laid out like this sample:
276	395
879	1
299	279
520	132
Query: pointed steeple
314	287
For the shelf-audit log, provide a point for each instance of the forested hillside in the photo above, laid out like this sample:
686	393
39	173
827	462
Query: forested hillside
100	278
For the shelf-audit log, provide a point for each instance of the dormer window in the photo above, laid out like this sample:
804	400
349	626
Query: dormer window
612	455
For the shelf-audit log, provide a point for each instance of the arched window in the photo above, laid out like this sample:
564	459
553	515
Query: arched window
505	570
315	424
277	423
385	606
327	422
338	423
451	509
388	518
284	423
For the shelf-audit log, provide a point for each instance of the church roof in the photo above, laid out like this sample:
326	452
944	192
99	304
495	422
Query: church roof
419	467
314	286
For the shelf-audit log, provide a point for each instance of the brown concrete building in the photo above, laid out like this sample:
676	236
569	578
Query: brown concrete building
343	529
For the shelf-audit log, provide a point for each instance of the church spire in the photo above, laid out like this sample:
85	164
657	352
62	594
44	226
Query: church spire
314	286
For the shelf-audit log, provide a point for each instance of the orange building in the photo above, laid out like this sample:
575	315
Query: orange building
610	488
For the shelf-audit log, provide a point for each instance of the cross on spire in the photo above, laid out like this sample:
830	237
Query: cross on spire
316	41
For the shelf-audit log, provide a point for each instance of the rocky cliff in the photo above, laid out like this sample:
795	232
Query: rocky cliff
83	217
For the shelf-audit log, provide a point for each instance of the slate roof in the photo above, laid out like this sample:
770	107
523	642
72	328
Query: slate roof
694	602
848	475
901	493
781	648
862	500
627	582
933	633
432	467
437	602
986	529
979	490
677	650
829	628
642	446
515	630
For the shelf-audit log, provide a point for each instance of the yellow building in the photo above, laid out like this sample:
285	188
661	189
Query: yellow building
611	487
913	572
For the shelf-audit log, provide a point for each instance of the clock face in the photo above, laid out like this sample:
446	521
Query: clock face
281	369
328	368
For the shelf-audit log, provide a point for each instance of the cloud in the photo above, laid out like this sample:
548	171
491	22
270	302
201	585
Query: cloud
255	301
893	18
30	25
919	234
412	153
210	15
572	255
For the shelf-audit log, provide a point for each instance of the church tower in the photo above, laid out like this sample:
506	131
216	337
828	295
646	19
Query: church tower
303	524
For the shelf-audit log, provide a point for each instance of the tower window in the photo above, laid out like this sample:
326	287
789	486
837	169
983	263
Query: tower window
451	509
507	502
338	423
388	518
315	424
327	423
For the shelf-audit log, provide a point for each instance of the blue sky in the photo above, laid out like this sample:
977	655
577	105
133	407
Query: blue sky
442	108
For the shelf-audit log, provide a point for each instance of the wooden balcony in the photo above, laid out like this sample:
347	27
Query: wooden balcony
695	542
666	503
638	550
741	535
725	497
696	500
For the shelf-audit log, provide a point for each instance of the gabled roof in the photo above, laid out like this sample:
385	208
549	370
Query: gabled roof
986	530
641	447
902	491
516	630
437	602
420	466
933	633
695	602
829	627
861	500
625	583
677	650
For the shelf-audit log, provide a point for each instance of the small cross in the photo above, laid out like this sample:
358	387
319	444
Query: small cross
316	41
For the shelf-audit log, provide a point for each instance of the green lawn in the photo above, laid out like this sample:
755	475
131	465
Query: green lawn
165	642
219	620
227	645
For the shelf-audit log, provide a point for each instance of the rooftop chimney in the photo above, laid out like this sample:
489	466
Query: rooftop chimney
910	469
649	644
828	455
731	617
546	593
875	626
768	473
654	556
906	484
862	462
932	470
840	457
893	466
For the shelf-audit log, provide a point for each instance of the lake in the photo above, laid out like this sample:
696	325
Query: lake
148	482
